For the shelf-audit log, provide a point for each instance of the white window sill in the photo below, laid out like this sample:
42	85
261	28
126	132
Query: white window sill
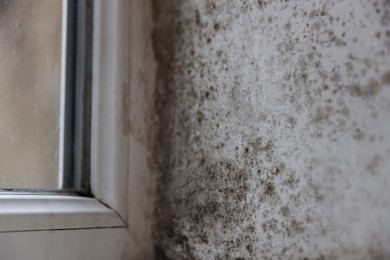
44	212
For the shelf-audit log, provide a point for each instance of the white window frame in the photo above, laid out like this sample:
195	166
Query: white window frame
109	144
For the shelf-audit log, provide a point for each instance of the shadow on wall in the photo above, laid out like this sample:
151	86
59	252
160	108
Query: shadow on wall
167	37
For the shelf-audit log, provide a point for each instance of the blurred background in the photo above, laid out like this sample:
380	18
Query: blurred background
30	66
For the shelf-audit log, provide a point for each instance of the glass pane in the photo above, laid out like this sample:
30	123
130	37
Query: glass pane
30	75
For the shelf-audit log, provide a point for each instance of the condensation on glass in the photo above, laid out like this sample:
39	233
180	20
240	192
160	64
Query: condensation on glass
30	87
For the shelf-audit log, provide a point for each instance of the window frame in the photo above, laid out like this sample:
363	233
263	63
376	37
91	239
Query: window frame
29	211
76	94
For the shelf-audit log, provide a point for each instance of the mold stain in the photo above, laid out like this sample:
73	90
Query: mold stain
244	96
366	91
386	78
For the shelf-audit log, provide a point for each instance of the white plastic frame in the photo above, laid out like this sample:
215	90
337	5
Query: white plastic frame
109	145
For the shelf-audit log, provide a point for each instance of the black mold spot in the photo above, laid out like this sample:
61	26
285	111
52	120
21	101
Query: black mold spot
197	18
374	163
340	43
285	211
359	135
386	78
269	189
369	90
261	4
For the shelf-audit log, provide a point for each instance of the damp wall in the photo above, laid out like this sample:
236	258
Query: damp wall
274	122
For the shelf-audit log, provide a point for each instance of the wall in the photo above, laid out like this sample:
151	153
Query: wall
274	122
140	127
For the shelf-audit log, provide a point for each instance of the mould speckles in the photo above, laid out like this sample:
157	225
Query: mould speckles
199	117
290	181
374	163
261	4
322	113
216	26
291	122
288	26
385	20
285	211
340	43
359	135
366	91
349	67
294	227
248	92
197	18
269	189
270	225
277	169
386	78
288	228
259	149
316	190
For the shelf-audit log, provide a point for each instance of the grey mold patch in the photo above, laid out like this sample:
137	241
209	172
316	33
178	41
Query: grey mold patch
274	122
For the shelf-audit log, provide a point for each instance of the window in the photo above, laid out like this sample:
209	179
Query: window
30	80
45	78
75	120
92	154
46	224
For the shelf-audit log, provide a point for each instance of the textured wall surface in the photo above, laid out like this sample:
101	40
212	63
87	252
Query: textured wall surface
274	129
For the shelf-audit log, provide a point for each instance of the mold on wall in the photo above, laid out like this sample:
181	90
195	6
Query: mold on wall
274	129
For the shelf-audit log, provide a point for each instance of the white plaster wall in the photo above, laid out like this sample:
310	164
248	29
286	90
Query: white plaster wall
274	129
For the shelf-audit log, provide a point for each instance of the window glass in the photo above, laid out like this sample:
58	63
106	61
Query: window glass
30	75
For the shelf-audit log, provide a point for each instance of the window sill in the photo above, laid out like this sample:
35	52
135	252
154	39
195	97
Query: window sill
48	212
